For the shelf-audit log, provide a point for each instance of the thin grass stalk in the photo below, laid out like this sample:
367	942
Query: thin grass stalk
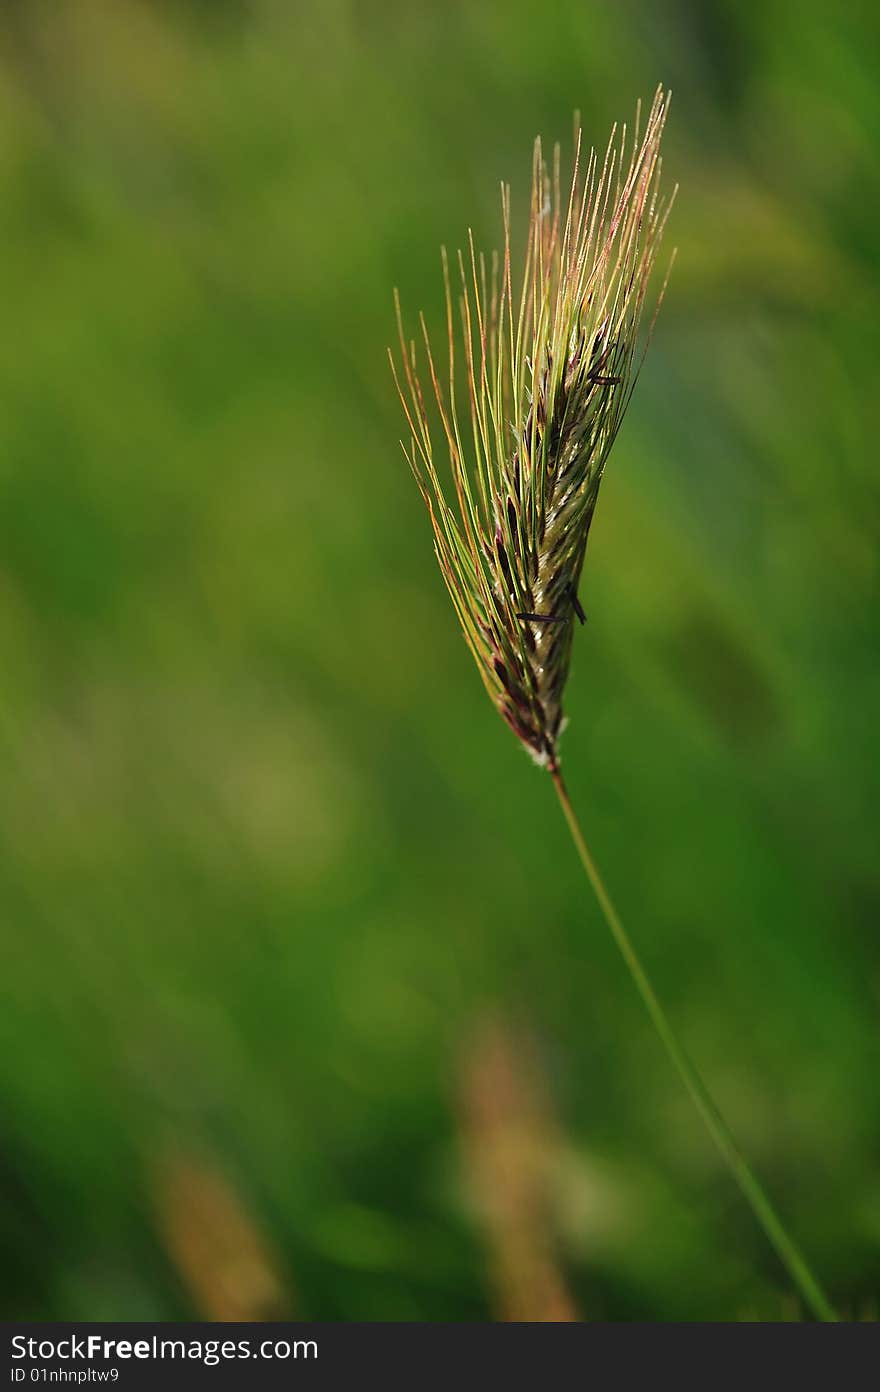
753	1191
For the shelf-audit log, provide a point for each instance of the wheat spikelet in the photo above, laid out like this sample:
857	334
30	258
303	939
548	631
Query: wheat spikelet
549	367
549	373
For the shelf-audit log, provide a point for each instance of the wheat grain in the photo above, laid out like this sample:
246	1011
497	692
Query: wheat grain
549	369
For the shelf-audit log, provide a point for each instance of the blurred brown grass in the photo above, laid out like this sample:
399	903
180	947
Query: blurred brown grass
219	1252
510	1152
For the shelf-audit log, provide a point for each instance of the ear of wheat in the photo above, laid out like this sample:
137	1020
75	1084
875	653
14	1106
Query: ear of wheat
549	366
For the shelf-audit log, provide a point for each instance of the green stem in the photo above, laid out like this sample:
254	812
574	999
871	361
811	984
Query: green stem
792	1259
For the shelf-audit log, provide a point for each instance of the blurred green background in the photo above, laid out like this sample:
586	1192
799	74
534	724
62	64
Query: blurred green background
281	898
